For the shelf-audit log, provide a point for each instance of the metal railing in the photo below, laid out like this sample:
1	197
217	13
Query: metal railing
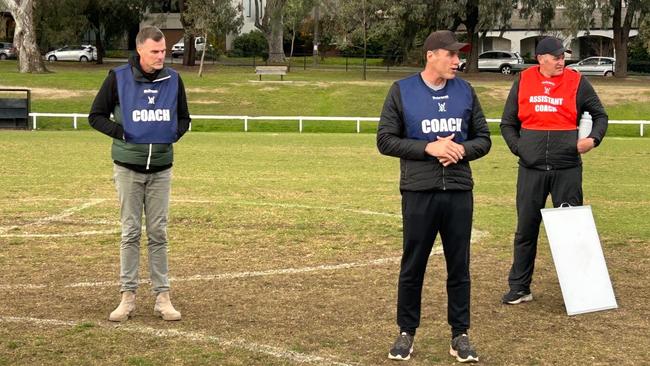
300	119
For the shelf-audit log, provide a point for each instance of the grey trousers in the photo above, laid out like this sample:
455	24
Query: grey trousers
138	191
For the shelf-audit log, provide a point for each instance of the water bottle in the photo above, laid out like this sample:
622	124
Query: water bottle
584	128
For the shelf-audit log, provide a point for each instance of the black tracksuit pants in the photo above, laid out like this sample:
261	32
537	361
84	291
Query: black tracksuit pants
424	215
533	188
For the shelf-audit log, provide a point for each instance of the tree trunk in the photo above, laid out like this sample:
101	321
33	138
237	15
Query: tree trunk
622	28
100	47
205	46
316	32
272	27
189	51
365	38
471	23
188	39
275	37
29	57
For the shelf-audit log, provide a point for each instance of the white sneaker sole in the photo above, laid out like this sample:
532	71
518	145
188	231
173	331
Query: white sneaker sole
400	358
525	298
459	359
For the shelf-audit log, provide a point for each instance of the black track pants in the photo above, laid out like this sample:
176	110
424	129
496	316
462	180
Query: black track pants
533	188
424	215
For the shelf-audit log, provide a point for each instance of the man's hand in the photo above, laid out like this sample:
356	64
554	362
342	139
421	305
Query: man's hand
585	145
446	150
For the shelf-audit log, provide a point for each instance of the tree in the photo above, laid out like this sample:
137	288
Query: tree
272	26
108	19
213	17
581	17
295	12
59	23
622	23
29	56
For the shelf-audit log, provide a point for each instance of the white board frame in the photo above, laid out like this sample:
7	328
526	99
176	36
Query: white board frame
579	260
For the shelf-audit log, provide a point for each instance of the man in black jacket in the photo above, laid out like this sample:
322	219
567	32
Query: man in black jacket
539	124
434	123
150	113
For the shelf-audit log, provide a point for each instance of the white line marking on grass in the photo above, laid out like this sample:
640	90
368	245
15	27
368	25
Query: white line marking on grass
437	249
235	275
63	235
273	351
291	205
24	287
66	213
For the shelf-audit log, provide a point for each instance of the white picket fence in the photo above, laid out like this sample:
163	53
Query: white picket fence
300	119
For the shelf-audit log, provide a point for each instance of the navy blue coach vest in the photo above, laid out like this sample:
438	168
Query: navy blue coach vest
429	114
149	109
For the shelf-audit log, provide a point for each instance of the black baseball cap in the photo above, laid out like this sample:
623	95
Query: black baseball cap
552	46
445	40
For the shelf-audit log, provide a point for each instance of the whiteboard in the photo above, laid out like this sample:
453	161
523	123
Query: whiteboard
579	260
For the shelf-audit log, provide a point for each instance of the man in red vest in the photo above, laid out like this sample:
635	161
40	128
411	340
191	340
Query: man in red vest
540	126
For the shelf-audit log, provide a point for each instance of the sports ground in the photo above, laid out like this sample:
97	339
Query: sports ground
284	250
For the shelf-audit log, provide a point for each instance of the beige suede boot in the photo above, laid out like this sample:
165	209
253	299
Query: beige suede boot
164	307
125	309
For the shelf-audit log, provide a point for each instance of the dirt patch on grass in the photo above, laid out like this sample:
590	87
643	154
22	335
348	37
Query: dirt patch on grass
206	90
55	93
205	101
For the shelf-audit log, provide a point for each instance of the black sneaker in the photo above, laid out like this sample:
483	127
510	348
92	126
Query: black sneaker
515	297
402	348
462	349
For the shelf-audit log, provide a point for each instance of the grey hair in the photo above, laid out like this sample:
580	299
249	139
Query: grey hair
148	32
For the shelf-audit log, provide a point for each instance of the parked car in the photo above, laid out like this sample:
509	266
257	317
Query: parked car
7	50
600	66
505	62
179	47
83	53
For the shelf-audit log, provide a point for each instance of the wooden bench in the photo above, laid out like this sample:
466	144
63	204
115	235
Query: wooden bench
271	70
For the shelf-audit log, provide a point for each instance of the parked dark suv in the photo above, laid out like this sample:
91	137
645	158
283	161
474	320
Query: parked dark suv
7	50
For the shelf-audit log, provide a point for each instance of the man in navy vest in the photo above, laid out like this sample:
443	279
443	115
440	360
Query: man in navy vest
150	112
434	123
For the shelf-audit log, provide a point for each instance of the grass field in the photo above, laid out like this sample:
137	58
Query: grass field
71	88
284	249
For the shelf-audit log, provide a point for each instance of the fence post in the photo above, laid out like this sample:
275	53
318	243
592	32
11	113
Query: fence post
190	126
300	125
358	126
34	121
74	122
641	126
245	124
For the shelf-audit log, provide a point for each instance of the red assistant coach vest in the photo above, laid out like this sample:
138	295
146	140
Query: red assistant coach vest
548	103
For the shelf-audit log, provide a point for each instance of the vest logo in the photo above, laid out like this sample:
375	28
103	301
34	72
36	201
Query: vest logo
151	115
442	107
152	100
442	125
151	91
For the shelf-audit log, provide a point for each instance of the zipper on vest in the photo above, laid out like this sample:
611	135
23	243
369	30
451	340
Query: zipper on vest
149	157
444	185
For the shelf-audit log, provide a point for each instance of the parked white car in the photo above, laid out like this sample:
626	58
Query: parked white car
505	62
83	53
600	66
179	47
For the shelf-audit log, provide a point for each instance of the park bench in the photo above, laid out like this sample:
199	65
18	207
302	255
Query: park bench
14	110
271	70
